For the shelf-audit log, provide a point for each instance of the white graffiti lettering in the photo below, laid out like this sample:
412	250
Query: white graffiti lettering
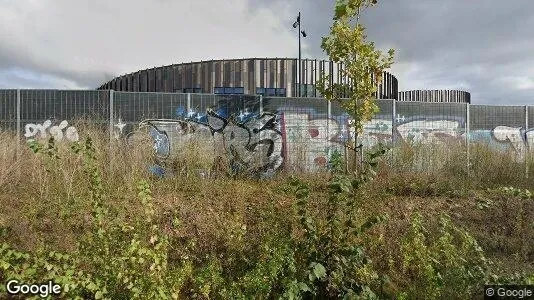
45	130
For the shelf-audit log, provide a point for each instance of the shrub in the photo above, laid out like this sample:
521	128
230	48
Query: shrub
445	264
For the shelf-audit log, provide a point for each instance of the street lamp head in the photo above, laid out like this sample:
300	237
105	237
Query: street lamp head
303	33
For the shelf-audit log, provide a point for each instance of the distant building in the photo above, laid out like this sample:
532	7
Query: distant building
251	76
435	96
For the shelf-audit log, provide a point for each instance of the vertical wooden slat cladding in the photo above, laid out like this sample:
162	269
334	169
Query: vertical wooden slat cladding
142	81
453	96
167	77
239	72
226	73
151	83
158	80
251	69
205	70
271	71
291	67
283	68
197	75
277	74
263	79
217	70
189	73
257	72
212	77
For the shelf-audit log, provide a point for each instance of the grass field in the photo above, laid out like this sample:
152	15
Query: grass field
92	219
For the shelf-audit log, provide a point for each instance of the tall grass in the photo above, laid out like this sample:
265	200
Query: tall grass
235	237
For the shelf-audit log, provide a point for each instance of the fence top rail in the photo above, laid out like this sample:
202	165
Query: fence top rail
152	93
502	105
58	90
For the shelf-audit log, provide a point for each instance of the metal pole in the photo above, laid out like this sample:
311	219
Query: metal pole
261	105
527	151
300	71
111	104
329	111
18	122
188	105
111	115
393	125
467	139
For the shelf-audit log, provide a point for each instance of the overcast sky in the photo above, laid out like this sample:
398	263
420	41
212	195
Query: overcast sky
483	46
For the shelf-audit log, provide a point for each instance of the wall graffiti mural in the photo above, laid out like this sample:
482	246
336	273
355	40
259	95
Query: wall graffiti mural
309	140
252	144
429	130
297	139
263	135
59	132
517	140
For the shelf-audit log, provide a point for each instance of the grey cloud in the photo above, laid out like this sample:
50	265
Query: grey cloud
481	44
88	42
449	42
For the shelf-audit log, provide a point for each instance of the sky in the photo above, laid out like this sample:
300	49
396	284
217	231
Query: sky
484	47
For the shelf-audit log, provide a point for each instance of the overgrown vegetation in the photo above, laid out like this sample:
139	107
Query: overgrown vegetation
97	223
89	216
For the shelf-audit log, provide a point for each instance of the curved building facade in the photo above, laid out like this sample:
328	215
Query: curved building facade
454	96
252	76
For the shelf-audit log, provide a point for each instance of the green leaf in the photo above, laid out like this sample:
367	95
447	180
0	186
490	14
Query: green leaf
370	223
319	271
303	287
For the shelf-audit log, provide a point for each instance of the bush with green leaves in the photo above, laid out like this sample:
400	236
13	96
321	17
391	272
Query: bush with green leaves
516	192
446	263
335	264
114	260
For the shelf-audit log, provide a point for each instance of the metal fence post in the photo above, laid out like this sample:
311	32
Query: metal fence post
527	151
110	148
467	138
188	105
111	96
18	122
393	125
329	117
261	105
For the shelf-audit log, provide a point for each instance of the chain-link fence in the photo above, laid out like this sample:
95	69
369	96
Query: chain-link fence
267	134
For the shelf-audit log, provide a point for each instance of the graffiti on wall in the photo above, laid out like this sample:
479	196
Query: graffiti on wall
252	144
59	132
516	140
305	139
309	139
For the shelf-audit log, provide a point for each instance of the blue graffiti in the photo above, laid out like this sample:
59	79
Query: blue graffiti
161	142
251	141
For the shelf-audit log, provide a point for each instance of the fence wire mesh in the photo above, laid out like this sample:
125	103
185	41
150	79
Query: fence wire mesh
270	133
429	135
308	134
8	110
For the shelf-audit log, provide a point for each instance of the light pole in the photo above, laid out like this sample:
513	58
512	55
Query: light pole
297	23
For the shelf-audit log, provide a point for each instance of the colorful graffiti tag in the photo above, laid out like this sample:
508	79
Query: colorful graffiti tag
45	130
251	144
297	139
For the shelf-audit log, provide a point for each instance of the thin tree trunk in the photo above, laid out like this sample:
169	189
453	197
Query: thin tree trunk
355	158
346	160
